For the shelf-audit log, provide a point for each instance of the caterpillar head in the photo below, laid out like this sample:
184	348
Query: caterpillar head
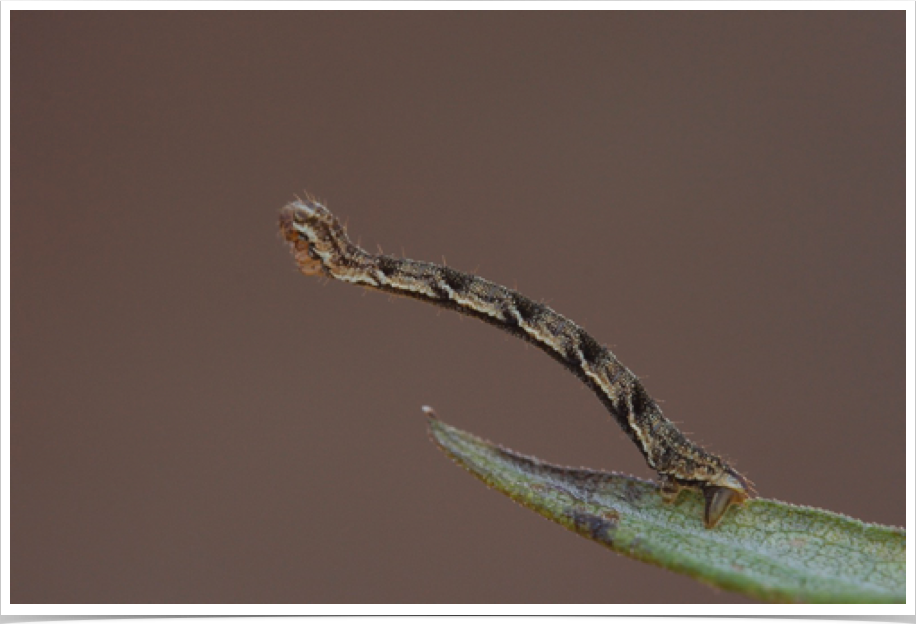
313	233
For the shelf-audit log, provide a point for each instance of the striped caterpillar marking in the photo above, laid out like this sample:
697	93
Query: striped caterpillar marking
321	246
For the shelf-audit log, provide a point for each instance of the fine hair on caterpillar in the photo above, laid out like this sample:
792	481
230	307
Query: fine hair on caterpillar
321	247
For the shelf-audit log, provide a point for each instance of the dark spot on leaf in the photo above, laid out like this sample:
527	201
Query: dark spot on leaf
596	527
631	492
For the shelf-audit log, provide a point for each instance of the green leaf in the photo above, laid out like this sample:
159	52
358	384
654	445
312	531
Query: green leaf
766	549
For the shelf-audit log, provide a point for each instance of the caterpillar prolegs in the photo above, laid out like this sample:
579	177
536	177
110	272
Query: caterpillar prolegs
321	247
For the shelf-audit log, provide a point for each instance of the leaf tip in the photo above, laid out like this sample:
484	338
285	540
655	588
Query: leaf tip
429	412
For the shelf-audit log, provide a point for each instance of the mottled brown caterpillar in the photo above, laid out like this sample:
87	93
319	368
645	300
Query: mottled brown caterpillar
321	247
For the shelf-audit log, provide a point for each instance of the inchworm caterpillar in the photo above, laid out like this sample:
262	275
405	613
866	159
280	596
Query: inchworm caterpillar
321	246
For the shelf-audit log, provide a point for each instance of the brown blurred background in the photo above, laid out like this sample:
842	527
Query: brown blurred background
717	196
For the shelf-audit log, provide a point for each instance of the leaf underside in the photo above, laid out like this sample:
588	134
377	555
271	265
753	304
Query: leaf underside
766	549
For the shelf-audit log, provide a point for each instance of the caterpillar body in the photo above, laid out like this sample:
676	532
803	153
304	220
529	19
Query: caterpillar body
321	247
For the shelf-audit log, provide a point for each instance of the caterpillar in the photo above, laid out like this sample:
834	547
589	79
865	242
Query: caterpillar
320	246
